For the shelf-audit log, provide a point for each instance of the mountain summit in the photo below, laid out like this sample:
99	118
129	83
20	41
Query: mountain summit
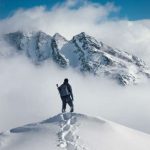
72	131
82	52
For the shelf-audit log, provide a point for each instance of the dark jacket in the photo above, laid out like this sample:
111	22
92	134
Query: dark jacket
69	89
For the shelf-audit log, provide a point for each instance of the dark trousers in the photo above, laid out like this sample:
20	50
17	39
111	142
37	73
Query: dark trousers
67	100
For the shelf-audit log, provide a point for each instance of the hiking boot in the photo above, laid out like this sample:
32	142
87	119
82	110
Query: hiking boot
71	109
63	110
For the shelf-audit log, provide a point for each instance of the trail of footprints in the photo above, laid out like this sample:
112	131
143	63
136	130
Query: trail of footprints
68	139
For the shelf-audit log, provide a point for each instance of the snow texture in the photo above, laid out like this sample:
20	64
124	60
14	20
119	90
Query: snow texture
71	131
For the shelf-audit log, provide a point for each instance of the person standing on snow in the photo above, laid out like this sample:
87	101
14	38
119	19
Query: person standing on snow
66	95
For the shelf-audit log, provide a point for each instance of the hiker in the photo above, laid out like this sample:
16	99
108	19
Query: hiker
66	95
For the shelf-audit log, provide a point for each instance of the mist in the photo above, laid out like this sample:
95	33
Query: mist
28	94
100	21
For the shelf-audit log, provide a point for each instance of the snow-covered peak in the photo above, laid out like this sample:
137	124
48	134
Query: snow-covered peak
83	35
60	40
83	52
58	36
86	41
99	59
36	45
72	131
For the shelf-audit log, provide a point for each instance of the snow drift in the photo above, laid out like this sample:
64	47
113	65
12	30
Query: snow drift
73	131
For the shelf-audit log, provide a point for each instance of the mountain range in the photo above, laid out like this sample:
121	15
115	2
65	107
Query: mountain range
82	52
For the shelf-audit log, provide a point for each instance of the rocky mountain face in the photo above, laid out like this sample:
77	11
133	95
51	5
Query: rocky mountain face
82	52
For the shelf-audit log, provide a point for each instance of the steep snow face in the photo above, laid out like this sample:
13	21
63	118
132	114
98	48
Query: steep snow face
83	52
36	45
72	131
60	40
99	59
57	43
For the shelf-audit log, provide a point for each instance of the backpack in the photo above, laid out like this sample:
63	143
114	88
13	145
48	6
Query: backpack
63	90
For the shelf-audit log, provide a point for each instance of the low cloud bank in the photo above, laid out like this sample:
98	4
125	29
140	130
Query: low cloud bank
69	18
28	93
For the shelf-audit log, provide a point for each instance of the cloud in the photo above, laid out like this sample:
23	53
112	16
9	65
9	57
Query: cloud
72	17
58	18
28	93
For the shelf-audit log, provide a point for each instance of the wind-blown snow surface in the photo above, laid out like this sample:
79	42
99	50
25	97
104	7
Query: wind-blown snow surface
73	131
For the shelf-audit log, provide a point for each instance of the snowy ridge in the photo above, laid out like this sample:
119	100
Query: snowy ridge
67	134
71	131
68	137
82	52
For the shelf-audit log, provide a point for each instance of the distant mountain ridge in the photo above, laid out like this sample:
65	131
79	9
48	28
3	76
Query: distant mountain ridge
82	52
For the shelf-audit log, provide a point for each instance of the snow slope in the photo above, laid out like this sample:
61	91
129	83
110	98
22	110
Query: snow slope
71	131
